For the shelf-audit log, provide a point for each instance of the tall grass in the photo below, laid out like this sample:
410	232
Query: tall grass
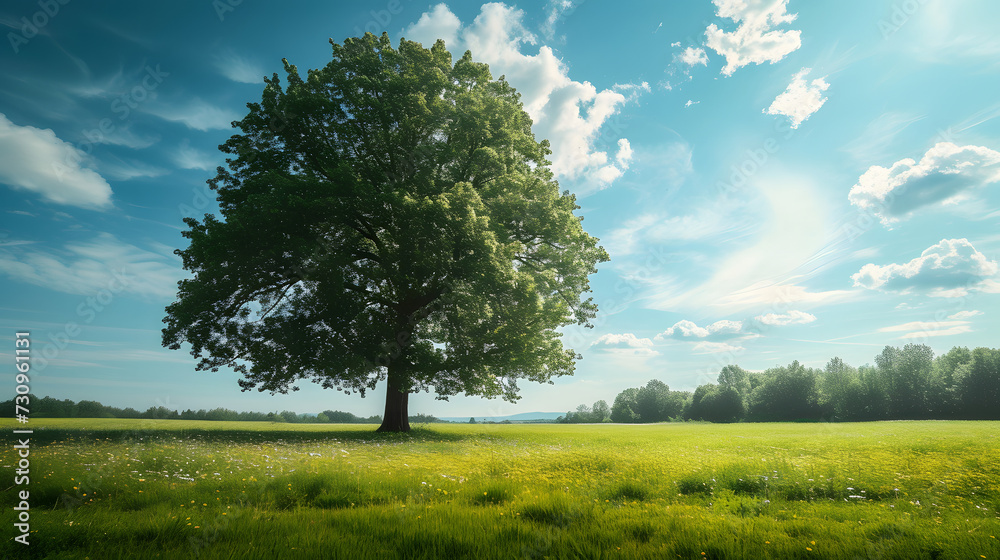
213	490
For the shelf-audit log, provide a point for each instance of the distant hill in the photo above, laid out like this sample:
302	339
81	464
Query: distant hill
521	417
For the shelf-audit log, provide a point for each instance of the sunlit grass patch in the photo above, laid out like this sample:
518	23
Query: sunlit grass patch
739	491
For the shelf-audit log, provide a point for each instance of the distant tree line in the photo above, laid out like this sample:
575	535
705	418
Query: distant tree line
907	383
49	407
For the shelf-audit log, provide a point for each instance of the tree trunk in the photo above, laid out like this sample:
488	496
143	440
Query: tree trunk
396	417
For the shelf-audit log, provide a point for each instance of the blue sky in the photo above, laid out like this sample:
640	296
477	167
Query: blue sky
774	180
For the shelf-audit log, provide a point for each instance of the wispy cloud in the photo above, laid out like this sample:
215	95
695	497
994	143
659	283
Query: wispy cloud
772	265
879	134
196	114
239	69
187	157
925	329
87	267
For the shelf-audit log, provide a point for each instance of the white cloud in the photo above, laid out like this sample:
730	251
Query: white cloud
196	114
690	103
793	317
800	99
628	340
626	343
36	160
716	348
439	23
124	170
944	174
963	315
123	136
239	69
939	332
87	267
570	114
926	325
926	329
624	156
755	40
187	157
951	268
556	9
688	330
693	56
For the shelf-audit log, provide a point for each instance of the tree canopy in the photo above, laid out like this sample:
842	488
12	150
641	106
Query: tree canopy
389	217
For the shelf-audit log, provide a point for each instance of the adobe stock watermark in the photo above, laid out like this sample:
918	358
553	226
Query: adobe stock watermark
123	105
756	328
201	197
899	16
223	7
756	159
31	27
380	19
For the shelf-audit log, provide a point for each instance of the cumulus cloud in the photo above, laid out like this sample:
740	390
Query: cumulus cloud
87	267
791	318
688	330
570	114
951	268
196	113
945	174
439	23
36	160
874	141
755	40
800	99
693	56
627	340
625	343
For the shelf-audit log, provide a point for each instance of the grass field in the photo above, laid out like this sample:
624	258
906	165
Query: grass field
107	489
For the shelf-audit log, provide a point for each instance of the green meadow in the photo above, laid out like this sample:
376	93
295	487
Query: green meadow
108	489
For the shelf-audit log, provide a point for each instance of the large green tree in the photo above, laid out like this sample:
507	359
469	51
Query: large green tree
389	217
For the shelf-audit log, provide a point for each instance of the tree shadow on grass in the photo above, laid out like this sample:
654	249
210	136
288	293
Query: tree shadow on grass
229	435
